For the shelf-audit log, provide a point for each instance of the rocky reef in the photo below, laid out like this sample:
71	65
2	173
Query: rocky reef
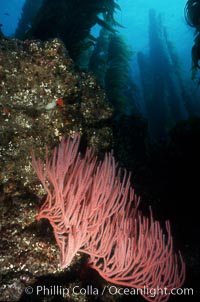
42	98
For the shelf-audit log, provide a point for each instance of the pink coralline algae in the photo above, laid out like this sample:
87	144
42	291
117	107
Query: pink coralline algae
93	209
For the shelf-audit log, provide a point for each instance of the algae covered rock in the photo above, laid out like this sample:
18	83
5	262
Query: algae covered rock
43	98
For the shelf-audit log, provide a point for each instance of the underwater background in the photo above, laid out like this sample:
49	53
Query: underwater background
125	76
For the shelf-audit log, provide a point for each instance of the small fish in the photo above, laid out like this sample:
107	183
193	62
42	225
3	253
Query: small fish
60	102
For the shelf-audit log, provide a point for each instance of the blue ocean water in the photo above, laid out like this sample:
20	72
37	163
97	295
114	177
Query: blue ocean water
134	18
10	12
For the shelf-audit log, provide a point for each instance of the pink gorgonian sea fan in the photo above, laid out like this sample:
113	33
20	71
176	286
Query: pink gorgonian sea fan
93	209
